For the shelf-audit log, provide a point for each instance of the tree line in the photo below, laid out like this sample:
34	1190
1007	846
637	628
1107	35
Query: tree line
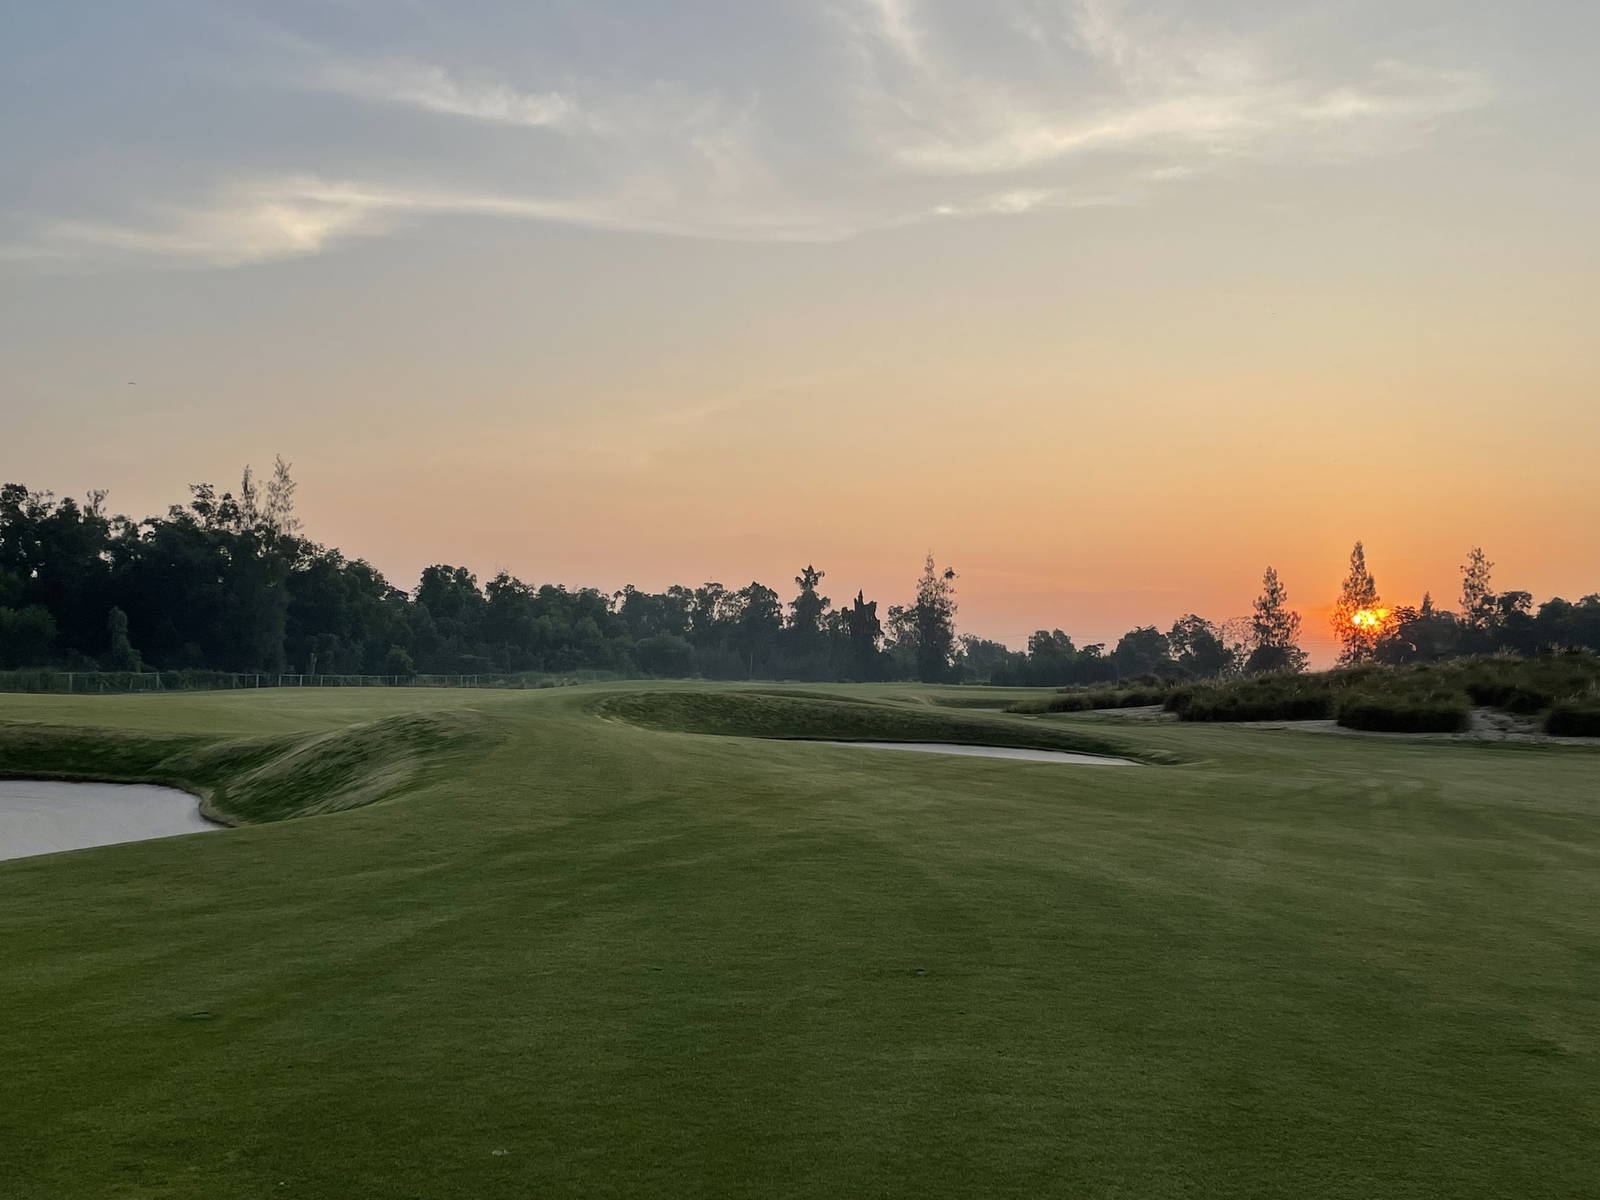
229	582
1487	622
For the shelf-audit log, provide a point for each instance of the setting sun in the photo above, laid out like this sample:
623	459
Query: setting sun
1369	618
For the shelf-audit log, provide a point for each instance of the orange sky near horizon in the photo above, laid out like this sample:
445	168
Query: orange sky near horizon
1085	466
1197	290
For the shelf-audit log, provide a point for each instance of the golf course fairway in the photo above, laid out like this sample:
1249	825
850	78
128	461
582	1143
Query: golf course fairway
621	941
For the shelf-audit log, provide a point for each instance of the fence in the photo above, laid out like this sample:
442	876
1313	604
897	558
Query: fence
47	682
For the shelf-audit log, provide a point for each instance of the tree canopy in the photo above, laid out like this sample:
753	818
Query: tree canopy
229	582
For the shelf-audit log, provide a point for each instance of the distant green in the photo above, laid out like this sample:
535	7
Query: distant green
575	943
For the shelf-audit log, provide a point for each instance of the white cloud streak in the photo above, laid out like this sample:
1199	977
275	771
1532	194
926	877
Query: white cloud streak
433	89
1087	103
263	220
1172	91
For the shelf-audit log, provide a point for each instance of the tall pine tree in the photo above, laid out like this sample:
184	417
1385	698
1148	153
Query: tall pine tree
1357	620
1479	607
1274	630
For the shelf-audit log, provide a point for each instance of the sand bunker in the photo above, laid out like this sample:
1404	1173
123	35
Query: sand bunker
1045	756
38	817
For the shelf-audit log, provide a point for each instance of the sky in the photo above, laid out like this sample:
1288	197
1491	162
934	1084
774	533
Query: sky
1108	304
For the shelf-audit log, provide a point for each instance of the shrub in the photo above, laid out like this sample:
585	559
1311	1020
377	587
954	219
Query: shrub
1223	706
1528	700
1574	720
1530	685
1265	698
1491	693
1403	714
1428	697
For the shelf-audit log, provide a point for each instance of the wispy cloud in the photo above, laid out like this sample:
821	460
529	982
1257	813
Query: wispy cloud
1161	88
262	220
909	110
895	25
1025	200
245	225
434	89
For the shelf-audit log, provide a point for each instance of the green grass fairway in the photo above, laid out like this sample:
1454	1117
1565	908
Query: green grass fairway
573	943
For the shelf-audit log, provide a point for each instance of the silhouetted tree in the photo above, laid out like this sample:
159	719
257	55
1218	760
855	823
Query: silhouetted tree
398	663
666	655
27	636
1422	634
227	581
1275	630
121	656
1142	651
757	621
1515	627
1356	621
865	634
1197	647
983	661
1567	625
1478	609
277	512
806	610
1052	660
926	629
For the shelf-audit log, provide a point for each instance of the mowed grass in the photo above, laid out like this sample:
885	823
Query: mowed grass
583	952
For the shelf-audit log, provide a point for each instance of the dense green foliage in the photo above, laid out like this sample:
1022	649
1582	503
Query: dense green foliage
596	959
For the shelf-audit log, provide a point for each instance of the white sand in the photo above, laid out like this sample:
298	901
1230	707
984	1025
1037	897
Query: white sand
38	817
1046	756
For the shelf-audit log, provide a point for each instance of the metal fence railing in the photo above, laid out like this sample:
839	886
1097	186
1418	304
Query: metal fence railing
52	682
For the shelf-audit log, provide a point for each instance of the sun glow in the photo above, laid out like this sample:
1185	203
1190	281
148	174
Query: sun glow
1369	618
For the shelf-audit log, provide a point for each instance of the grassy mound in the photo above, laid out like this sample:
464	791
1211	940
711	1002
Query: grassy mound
246	781
1089	699
819	717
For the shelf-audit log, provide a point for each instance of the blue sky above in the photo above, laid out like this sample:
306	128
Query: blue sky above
225	135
